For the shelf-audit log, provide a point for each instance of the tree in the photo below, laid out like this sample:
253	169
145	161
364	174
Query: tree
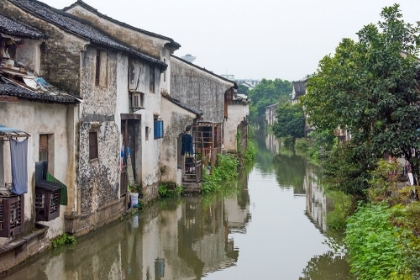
267	92
370	87
290	121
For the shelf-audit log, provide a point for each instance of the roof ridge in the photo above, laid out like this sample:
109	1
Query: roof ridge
97	36
235	85
94	10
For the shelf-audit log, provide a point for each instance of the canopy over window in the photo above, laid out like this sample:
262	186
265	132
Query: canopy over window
8	132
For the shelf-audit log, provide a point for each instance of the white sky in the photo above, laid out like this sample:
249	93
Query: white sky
252	39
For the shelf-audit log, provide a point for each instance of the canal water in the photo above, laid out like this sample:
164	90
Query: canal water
273	226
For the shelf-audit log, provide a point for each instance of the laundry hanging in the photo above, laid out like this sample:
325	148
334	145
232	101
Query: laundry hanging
187	145
19	160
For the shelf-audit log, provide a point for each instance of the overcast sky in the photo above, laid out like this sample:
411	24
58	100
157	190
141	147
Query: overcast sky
252	39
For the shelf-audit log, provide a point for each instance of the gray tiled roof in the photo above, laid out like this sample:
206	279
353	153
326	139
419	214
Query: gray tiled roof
20	92
79	27
15	28
95	11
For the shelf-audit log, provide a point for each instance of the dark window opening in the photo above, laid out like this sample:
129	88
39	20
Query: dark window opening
93	145
152	78
43	147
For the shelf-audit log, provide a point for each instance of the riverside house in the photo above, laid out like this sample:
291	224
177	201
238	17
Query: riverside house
210	93
37	141
105	74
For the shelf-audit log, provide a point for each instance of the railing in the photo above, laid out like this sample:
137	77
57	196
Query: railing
198	171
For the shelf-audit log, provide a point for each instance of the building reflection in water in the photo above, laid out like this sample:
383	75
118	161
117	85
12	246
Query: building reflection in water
172	239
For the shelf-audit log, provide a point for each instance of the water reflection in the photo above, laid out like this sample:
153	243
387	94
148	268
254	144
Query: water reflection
214	237
174	239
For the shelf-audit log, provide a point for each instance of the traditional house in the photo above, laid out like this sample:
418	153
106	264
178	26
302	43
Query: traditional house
37	124
299	89
119	115
270	113
175	115
236	126
210	93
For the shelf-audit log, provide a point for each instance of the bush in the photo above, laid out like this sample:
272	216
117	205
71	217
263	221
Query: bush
165	191
250	153
62	240
377	248
343	208
301	145
224	172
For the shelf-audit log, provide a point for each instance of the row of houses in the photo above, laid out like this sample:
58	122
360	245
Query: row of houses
90	106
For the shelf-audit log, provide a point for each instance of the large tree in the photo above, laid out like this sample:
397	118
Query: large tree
371	88
267	92
290	121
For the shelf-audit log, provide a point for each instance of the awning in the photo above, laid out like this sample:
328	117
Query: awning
7	132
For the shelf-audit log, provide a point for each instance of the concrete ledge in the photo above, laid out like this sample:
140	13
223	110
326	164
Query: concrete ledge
81	224
18	251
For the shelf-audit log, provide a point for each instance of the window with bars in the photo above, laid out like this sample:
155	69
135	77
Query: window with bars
93	145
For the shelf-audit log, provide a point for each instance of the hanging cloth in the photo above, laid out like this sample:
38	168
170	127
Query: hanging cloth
19	160
187	145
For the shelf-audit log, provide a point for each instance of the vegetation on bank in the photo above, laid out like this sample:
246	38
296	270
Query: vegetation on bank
370	89
62	240
224	173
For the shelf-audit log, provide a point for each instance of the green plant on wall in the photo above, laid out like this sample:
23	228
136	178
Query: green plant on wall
62	240
165	191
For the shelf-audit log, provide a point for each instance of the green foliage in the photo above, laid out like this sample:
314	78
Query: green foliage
289	142
224	172
321	142
377	248
383	180
267	92
301	145
290	121
369	87
250	153
347	169
62	240
243	89
343	208
165	191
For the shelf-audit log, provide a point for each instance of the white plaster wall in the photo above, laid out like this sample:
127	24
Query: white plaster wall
151	148
175	119
237	113
35	119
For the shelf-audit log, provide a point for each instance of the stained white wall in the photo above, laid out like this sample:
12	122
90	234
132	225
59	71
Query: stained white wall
237	112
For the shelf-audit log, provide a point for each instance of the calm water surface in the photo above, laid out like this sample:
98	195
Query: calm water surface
273	227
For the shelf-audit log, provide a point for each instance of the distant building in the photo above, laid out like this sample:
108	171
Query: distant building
249	83
188	57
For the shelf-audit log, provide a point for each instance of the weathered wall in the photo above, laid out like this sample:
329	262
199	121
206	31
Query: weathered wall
175	121
139	79
237	113
35	119
60	54
30	55
147	44
199	89
98	179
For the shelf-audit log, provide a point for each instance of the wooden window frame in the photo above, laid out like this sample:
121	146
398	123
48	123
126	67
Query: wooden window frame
93	145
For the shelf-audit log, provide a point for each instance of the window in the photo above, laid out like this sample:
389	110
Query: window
101	68
93	145
43	147
164	72
137	100
152	78
158	127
